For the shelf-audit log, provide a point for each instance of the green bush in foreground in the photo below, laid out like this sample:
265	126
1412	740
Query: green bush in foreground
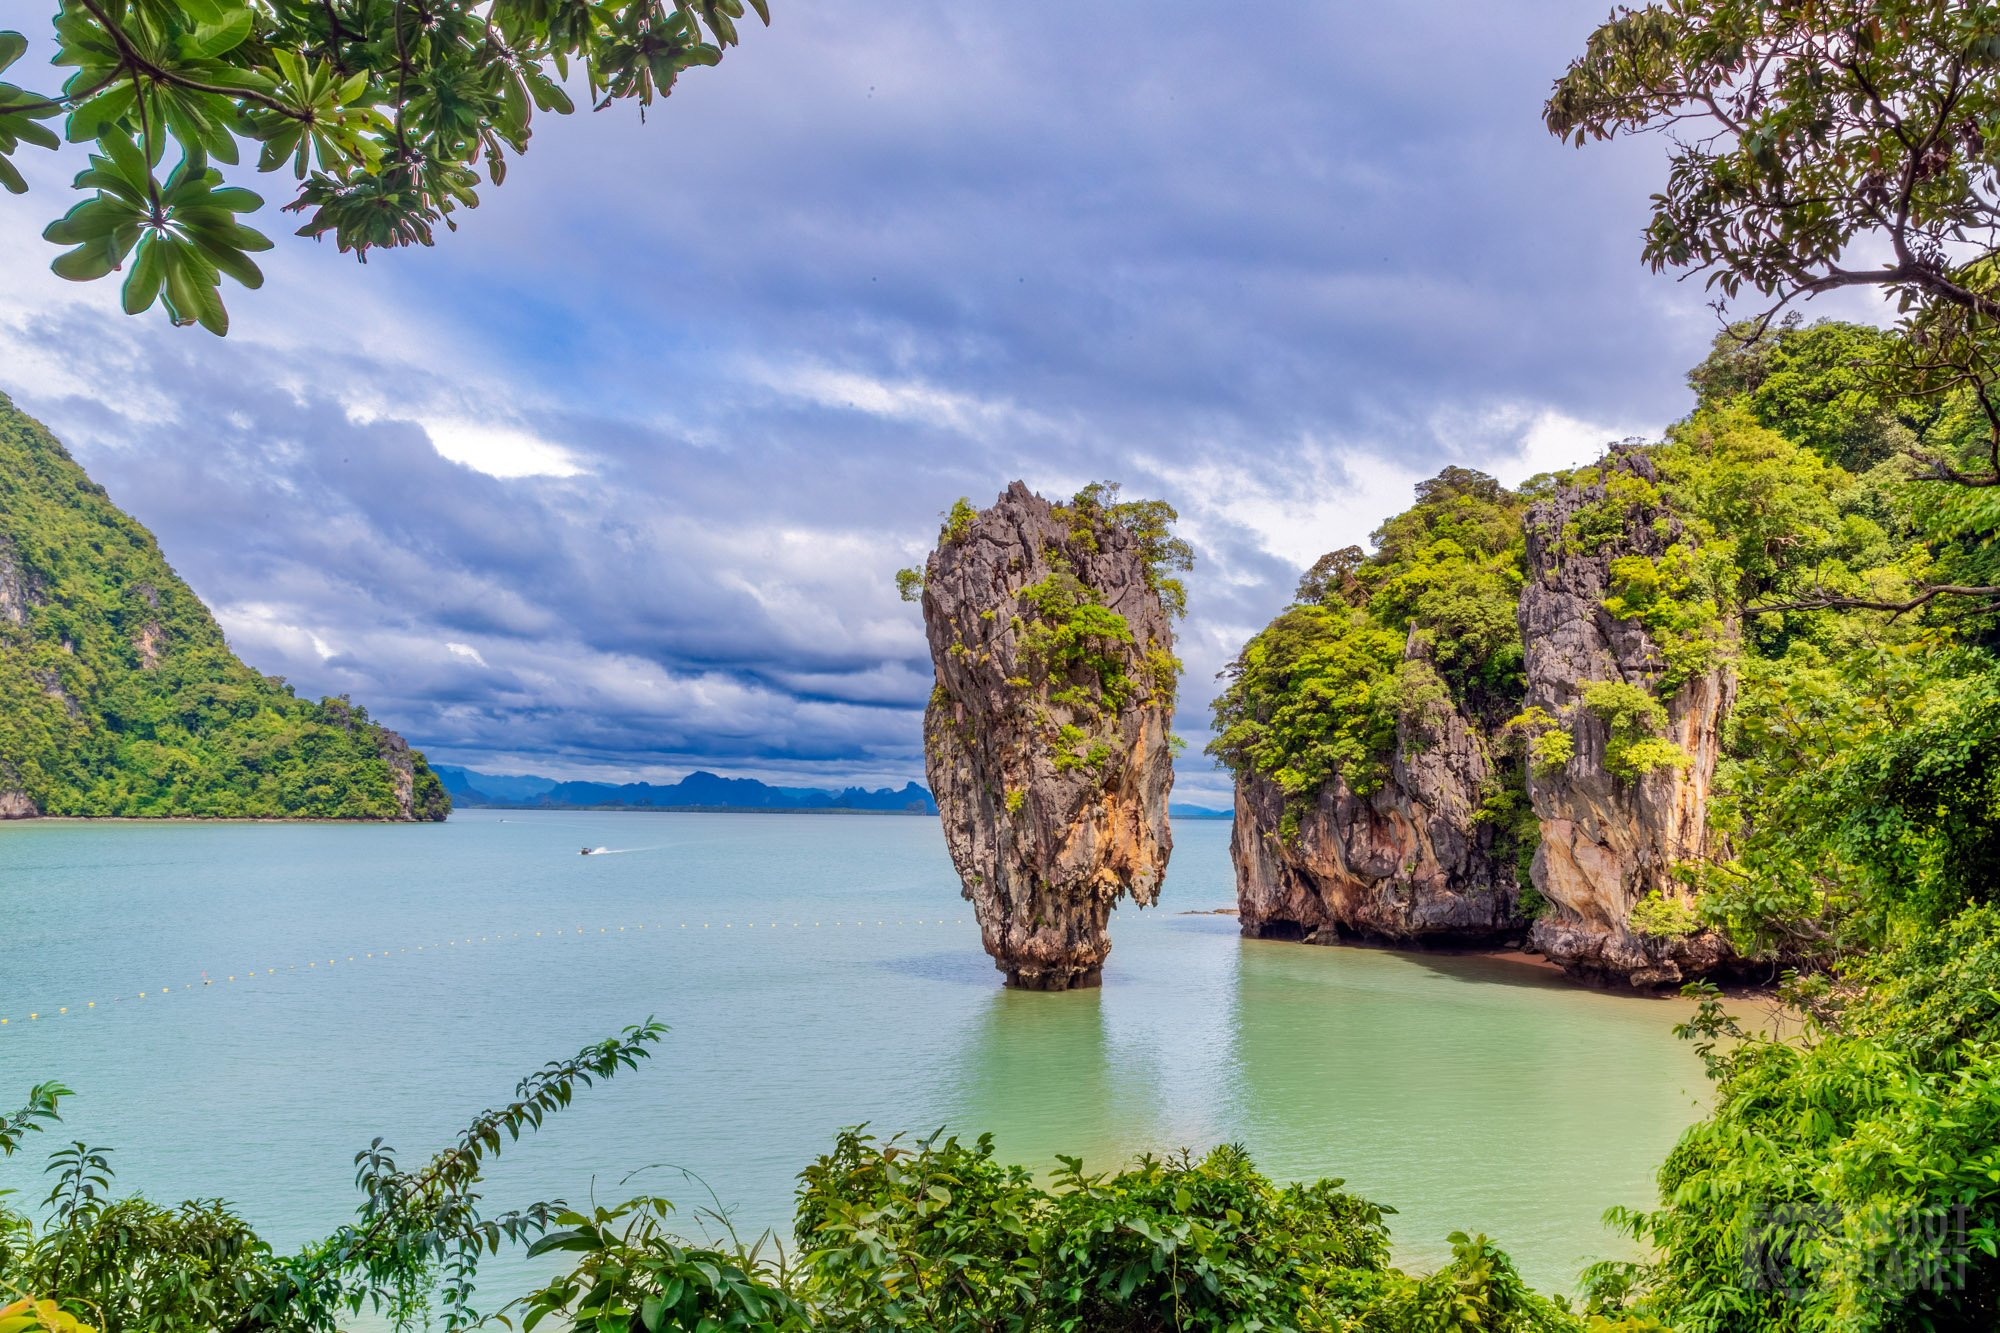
1848	1179
933	1235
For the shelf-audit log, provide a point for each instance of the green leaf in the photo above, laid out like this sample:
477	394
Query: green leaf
92	220
211	39
122	155
142	284
206	11
87	120
228	258
86	263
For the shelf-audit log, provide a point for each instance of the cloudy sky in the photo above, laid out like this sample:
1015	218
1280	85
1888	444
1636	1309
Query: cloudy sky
614	481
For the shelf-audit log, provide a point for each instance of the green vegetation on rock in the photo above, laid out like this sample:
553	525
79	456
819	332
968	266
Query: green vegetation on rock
1150	523
1634	717
1318	693
118	695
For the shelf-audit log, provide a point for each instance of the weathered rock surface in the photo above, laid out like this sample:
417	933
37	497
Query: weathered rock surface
1409	863
419	796
17	594
1048	828
1607	842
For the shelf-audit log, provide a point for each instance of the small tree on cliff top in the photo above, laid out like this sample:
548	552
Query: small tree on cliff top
384	111
1151	524
1820	146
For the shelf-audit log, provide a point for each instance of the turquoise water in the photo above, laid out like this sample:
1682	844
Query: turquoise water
817	971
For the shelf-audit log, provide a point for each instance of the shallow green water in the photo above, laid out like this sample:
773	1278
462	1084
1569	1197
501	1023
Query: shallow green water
1466	1093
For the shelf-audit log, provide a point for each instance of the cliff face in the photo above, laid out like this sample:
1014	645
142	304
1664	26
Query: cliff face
1410	863
1046	739
119	695
1608	841
1394	795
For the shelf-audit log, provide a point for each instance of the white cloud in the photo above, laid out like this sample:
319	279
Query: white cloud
1336	491
466	651
499	451
911	400
257	629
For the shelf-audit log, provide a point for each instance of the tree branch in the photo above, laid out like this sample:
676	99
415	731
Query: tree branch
1830	603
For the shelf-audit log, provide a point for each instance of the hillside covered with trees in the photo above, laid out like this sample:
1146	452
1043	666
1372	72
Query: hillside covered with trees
1791	535
119	696
1804	551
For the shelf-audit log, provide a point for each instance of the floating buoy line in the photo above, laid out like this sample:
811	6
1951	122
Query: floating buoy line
318	966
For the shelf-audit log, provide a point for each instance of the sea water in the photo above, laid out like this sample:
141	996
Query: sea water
242	1007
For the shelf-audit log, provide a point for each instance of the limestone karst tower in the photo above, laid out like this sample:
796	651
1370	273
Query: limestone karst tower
1047	737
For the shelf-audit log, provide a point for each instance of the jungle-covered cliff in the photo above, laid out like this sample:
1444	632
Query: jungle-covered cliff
119	696
1609	713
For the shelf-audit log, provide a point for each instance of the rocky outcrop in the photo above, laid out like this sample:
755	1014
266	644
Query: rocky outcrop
1046	739
17	594
1607	841
15	803
418	792
1410	863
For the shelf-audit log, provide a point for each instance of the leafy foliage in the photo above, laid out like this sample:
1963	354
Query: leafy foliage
1634	716
633	1272
1798	131
1318	692
1846	1179
1821	385
1664	917
957	522
1802	137
133	1266
118	694
384	113
1073	633
1312	697
1150	523
937	1235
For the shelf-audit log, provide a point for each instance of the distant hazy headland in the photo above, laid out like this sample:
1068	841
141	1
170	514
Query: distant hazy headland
471	789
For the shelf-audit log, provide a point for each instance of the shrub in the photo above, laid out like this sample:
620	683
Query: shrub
1632	714
1073	630
958	520
1667	918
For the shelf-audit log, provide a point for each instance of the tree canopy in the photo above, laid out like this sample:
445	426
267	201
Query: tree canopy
1821	146
384	113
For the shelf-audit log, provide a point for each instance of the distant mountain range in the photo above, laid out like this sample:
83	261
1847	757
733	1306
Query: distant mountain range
697	791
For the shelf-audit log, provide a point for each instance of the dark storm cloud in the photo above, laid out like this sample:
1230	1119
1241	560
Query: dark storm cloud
1272	265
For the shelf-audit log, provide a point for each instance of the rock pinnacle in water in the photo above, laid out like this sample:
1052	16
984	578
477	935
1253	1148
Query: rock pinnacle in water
1047	738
